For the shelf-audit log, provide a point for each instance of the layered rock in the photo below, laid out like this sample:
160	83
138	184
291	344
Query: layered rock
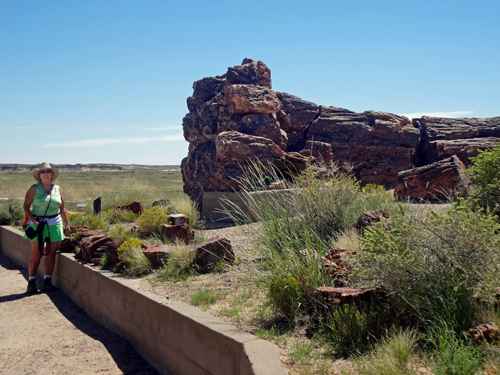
237	118
444	137
433	181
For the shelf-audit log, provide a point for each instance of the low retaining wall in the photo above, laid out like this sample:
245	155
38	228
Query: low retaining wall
174	337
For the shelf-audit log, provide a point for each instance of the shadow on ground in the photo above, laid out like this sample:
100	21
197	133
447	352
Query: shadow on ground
128	360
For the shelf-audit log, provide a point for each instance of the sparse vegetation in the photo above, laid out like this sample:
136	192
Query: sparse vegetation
439	269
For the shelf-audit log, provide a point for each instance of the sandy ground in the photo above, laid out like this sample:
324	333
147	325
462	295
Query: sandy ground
49	334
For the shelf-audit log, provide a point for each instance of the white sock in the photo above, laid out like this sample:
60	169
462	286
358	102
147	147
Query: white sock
32	278
47	277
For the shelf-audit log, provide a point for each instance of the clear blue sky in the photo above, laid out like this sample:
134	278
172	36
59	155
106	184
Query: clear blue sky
107	81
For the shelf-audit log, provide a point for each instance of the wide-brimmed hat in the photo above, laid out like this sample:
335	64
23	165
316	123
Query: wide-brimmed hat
45	165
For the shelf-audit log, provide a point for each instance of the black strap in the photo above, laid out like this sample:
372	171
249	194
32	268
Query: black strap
39	231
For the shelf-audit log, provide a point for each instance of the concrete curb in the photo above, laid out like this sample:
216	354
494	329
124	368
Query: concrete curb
173	337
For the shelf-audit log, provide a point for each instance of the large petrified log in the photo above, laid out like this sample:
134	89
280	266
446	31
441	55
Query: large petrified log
433	181
445	137
237	117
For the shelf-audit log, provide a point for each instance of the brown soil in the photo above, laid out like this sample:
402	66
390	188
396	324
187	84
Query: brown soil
47	333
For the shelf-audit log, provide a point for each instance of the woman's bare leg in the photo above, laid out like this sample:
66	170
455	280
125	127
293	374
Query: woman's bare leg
35	259
50	259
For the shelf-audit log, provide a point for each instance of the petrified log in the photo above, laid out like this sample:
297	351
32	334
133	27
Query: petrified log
371	218
135	207
211	252
433	181
237	118
487	332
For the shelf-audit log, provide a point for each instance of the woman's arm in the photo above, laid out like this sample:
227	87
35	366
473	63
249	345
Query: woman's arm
28	199
64	214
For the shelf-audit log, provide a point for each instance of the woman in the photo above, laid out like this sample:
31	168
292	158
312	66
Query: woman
44	202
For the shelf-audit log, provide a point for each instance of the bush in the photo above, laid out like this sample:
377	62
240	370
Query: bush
485	175
457	357
152	220
76	218
296	227
435	268
119	234
11	211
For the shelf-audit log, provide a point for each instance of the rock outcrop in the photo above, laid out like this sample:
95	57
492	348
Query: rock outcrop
237	118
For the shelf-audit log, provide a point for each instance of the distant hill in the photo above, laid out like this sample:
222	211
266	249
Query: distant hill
90	167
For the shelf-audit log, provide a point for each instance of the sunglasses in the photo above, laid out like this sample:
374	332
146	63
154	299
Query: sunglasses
46	171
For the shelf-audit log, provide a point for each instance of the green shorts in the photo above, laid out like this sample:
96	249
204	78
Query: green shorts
56	233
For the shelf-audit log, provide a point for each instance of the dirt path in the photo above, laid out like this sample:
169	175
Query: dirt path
49	334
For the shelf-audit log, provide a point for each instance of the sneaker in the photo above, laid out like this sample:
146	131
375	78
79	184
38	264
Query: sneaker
47	285
32	287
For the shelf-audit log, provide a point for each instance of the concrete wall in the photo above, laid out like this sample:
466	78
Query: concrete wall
214	203
174	337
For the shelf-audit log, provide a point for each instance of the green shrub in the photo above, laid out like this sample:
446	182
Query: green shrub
94	222
457	357
152	220
125	247
119	234
485	175
436	267
296	227
119	216
76	218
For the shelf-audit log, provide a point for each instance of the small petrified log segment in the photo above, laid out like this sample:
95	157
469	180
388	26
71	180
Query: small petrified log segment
135	207
209	253
487	332
371	218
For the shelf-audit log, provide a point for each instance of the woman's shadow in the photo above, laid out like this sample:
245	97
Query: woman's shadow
128	360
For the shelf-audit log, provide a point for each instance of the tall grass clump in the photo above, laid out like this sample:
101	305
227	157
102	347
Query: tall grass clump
435	268
134	261
393	355
180	265
184	205
295	227
11	211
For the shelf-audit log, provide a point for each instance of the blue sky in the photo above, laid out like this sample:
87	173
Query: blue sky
107	81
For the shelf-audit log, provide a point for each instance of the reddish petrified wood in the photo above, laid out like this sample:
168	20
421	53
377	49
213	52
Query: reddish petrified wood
371	218
487	332
211	252
158	254
135	207
433	181
181	232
